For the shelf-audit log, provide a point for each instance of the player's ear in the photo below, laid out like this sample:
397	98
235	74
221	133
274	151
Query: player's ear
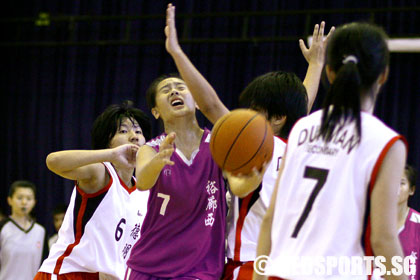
278	121
9	201
155	113
383	77
330	74
412	190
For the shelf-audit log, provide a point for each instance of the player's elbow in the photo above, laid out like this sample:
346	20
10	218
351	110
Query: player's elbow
381	241
52	162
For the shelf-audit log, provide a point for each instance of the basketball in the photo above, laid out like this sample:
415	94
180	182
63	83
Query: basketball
241	140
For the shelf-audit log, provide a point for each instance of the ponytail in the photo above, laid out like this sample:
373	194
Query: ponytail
357	53
342	102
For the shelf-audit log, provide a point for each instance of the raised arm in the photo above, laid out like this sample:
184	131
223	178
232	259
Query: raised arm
84	166
384	207
204	94
315	56
150	163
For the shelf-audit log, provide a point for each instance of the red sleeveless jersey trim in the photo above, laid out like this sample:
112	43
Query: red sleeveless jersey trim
79	222
239	225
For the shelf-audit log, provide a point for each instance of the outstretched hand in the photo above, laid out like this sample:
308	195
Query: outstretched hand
241	185
171	43
125	155
166	150
316	52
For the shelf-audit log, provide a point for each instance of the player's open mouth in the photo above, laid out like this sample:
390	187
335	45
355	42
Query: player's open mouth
177	102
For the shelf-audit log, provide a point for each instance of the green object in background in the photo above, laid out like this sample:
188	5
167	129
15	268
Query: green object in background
43	19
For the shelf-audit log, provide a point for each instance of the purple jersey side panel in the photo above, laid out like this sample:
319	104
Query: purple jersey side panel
184	229
410	239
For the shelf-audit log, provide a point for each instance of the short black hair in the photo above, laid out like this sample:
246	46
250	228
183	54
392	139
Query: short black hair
411	175
278	94
59	209
152	89
21	184
106	125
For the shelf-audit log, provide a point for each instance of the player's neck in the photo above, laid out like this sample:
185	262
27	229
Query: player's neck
403	210
185	132
126	176
23	221
182	125
187	139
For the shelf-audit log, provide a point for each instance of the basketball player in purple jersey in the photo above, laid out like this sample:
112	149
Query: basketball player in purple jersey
409	219
183	234
283	101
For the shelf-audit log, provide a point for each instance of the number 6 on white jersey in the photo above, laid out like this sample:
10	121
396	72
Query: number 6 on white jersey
165	202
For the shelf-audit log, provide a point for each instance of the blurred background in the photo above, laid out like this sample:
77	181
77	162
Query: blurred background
65	61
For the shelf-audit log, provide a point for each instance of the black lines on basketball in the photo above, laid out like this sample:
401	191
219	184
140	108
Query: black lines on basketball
241	140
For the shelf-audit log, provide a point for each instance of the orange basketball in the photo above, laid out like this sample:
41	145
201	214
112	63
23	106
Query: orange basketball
241	140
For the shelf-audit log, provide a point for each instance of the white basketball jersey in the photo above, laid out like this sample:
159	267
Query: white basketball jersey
247	215
322	204
21	251
99	230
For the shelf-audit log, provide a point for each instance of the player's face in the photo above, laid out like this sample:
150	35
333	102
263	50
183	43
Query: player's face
22	201
404	191
58	220
276	123
129	132
173	98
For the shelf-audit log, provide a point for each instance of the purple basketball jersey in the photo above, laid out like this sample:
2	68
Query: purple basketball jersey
410	239
183	233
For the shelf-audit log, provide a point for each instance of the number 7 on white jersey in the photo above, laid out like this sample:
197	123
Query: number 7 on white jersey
320	175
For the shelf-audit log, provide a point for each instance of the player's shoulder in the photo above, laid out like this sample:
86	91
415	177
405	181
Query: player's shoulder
375	127
4	222
155	142
206	135
414	216
39	226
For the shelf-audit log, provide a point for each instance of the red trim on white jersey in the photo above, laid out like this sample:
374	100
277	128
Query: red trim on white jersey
99	229
239	225
79	221
247	215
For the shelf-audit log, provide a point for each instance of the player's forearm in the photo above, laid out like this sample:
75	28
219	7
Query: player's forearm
264	242
311	82
65	161
387	245
147	174
204	94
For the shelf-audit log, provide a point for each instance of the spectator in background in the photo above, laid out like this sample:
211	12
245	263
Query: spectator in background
58	217
408	222
409	219
22	240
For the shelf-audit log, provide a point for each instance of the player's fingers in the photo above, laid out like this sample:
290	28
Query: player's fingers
302	46
166	152
315	34
168	141
330	33
321	31
168	162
